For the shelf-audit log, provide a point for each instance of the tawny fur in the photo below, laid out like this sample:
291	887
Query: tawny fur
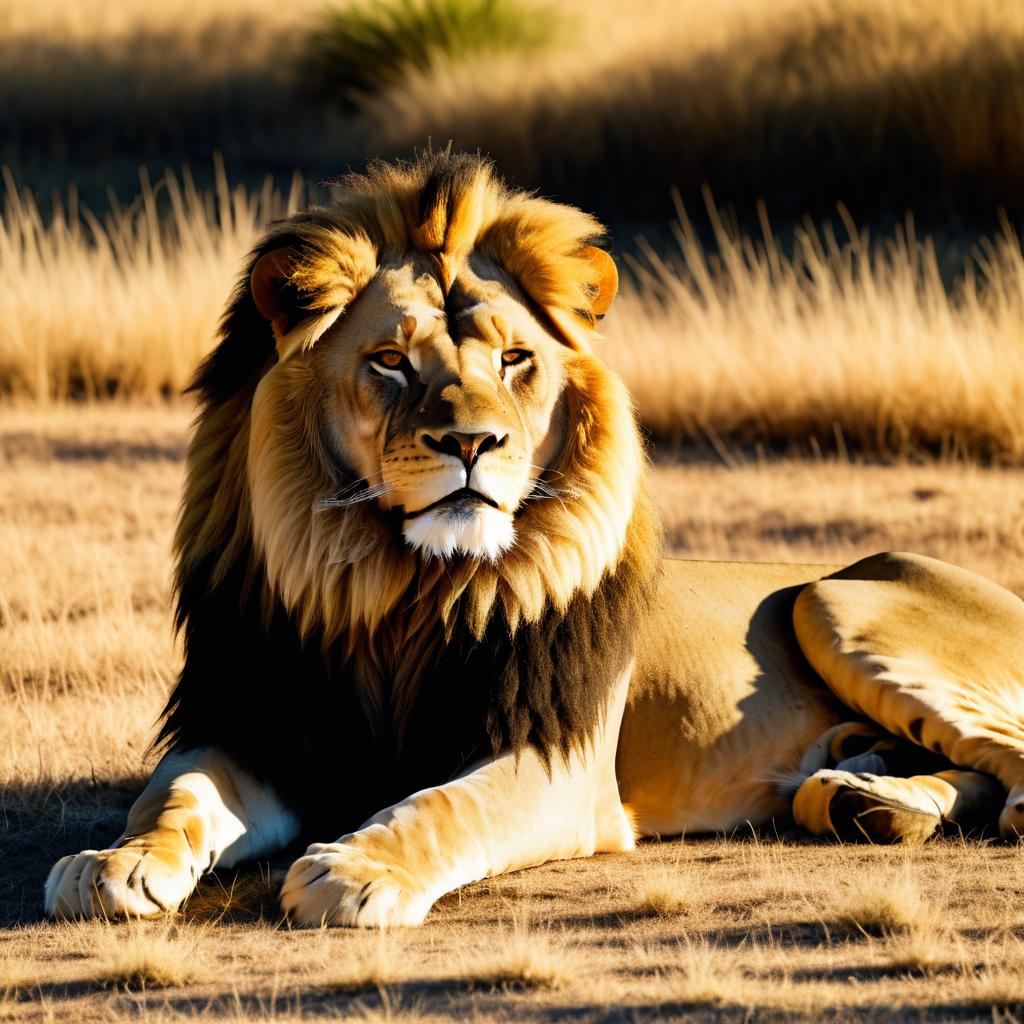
342	572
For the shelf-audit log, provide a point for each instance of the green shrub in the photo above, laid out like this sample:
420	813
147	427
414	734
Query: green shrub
366	44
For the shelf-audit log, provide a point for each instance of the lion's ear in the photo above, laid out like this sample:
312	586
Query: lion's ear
607	279
272	291
576	327
276	296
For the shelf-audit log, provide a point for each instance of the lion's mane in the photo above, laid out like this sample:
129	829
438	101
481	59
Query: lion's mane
321	647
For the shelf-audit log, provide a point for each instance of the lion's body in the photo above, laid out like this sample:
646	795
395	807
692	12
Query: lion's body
722	702
424	606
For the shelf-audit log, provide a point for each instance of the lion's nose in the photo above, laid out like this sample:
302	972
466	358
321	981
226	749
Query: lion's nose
467	447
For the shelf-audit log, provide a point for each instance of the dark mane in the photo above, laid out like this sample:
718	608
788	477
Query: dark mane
286	696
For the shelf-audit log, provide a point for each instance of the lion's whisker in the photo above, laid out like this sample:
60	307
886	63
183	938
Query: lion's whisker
543	490
344	500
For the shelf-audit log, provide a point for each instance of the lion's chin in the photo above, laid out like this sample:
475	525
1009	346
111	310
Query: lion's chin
478	531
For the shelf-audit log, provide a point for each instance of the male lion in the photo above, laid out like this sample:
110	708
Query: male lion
425	609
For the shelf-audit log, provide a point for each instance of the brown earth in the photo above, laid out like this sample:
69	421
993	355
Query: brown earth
748	927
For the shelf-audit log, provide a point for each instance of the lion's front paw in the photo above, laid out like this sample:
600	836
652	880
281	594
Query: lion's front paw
130	881
338	884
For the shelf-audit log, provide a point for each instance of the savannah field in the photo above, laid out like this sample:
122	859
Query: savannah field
816	207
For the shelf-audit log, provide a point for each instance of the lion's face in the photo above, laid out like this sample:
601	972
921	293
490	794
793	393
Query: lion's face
445	407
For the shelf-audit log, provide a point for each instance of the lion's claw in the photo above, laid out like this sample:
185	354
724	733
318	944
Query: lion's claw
128	881
337	884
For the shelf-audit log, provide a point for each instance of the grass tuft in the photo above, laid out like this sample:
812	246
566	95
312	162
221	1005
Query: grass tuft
361	971
706	976
17	976
665	891
141	955
885	902
366	44
921	948
524	958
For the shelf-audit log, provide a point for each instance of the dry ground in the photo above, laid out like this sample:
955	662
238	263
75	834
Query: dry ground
731	929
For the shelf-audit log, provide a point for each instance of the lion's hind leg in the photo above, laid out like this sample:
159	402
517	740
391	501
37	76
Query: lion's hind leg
860	806
861	783
932	653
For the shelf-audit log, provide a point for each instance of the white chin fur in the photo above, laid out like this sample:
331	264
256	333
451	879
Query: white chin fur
480	532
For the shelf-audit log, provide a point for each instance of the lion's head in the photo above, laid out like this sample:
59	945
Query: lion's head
404	428
443	402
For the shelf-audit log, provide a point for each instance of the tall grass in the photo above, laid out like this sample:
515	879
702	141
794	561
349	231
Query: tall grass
885	106
844	341
126	305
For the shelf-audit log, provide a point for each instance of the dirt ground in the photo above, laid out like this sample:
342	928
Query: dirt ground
748	927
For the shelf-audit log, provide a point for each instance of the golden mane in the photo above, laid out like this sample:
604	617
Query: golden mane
343	574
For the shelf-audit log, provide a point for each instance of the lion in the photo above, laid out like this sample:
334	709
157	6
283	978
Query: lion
428	628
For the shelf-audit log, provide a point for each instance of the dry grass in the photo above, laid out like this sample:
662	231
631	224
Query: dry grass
886	901
360	970
139	297
704	975
840	344
141	955
93	90
523	957
892	901
922	948
667	891
884	106
90	21
17	978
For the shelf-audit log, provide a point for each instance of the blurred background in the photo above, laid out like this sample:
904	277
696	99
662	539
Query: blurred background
815	201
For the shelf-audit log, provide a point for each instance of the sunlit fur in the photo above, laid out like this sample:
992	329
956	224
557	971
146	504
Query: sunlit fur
345	571
444	532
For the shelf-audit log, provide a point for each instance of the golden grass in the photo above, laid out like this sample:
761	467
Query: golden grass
841	344
361	970
922	947
844	343
522	956
705	977
884	106
125	306
667	891
895	106
88	21
766	931
147	955
884	901
17	978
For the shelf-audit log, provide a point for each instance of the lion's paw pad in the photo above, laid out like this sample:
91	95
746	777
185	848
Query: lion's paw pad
336	884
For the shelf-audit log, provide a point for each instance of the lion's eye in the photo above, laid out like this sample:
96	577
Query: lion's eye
512	356
388	357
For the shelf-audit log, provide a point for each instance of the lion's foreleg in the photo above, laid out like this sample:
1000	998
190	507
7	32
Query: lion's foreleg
198	810
507	813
